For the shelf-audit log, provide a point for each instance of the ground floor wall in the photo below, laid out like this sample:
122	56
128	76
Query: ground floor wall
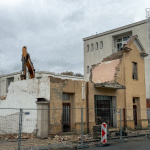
61	89
67	99
120	98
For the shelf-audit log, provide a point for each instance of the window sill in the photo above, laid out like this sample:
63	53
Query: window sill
135	79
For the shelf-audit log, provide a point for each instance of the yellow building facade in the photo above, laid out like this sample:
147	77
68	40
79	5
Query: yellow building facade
118	82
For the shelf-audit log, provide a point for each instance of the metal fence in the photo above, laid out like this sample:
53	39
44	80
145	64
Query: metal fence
9	128
51	128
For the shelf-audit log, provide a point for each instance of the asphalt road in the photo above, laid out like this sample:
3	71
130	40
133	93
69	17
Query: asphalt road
141	143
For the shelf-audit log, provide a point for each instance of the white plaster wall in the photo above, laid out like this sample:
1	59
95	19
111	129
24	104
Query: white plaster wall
3	81
22	94
41	74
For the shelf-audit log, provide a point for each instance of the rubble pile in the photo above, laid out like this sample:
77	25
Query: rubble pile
137	132
97	131
15	136
8	136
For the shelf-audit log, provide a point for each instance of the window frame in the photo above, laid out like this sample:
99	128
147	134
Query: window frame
88	48
88	69
96	46
120	40
101	45
92	47
134	71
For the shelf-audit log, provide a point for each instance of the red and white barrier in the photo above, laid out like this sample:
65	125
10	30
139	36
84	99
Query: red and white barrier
104	133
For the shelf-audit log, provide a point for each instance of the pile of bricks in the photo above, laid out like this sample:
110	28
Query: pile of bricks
97	132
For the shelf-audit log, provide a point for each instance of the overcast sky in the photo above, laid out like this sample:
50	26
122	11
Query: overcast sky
53	30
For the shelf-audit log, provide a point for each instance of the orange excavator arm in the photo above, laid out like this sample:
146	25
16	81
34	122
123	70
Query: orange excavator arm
26	63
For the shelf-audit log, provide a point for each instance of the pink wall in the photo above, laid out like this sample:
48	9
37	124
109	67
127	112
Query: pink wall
105	71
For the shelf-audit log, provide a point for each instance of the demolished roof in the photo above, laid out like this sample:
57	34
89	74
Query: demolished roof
106	78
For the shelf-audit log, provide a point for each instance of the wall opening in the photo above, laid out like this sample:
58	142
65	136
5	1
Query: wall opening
134	71
8	81
103	110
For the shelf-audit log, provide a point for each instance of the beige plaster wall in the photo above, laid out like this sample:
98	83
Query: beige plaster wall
134	89
58	87
105	71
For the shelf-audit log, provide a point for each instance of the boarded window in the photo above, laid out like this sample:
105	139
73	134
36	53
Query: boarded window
134	70
66	96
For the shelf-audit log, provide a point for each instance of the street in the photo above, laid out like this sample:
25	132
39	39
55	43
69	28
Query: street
137	143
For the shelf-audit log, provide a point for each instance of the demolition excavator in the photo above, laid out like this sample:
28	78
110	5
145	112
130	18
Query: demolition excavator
26	63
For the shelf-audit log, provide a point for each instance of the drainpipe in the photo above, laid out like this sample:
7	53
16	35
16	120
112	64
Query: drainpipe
87	105
125	123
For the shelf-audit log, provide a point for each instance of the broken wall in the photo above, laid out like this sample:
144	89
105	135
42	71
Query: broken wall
100	74
23	94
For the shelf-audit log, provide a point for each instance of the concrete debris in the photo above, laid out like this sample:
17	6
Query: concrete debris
114	56
64	141
88	137
113	85
137	132
72	138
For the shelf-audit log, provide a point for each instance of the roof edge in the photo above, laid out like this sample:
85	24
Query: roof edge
115	30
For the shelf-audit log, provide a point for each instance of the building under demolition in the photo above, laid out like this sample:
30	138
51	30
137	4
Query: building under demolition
118	82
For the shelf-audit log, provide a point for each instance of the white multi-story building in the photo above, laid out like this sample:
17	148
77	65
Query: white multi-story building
99	46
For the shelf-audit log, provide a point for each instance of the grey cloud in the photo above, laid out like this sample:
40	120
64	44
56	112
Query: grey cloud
53	30
76	16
